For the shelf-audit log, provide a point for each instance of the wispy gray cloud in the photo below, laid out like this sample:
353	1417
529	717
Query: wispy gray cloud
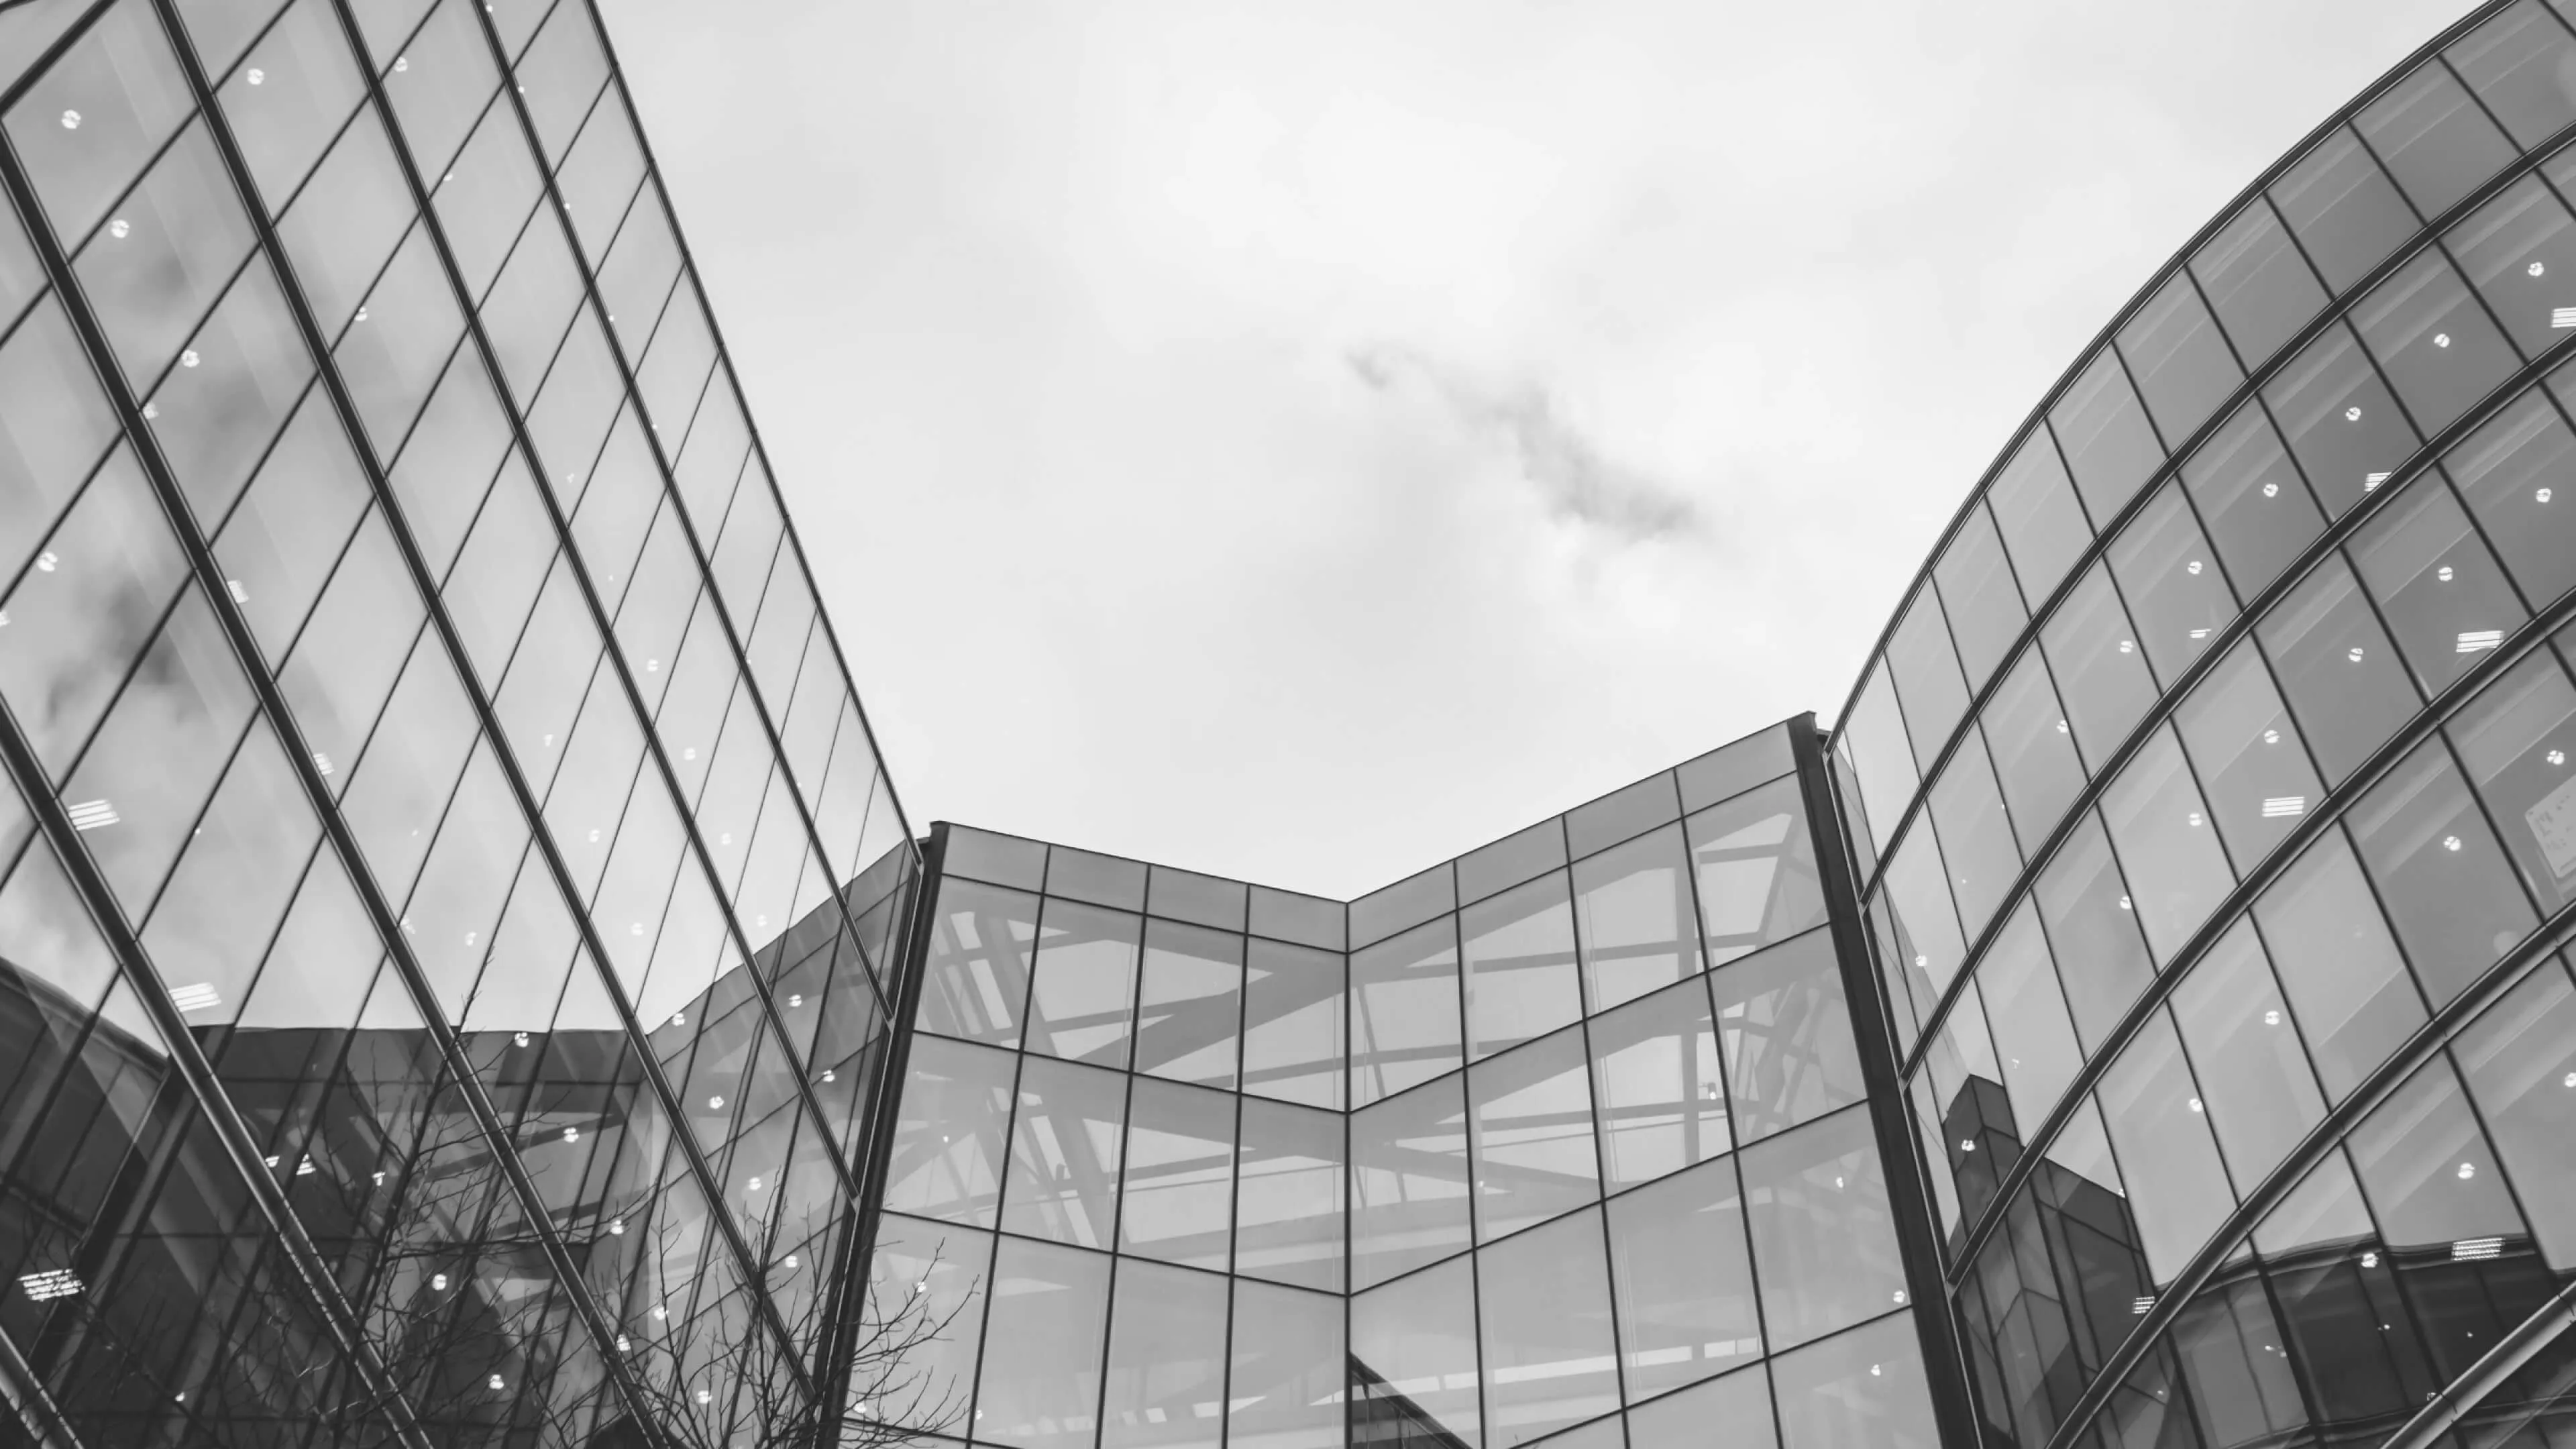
1571	475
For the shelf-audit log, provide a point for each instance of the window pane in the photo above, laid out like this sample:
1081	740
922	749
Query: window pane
1740	1401
2093	930
1520	965
2514	63
1002	859
1874	736
2261	1096
1408	1181
1289	1370
2514	740
2438	587
2338	964
2518	473
948	1141
2509	248
2433	340
1785	1028
2334	663
1404	1011
1292	1023
1532	1134
1187	1007
2108	444
2519	1056
1863	1390
1550	1356
2173	587
1064	1153
2177	1190
1927	676
2035	509
1084	983
1201	899
120	81
1622	814
1976	839
2033	749
1822	1238
1179	1199
2248	755
1288	1210
1683	1280
2258	511
2258	284
2176	869
1980	597
1408	902
1656	1083
2341	423
1040	1386
2034	1041
1516	857
2181	364
2093	654
1418	1337
2427	1169
1166	1359
1927	928
2436	141
1755	865
182	237
2343	209
947	1268
2446	884
1100	879
1633	914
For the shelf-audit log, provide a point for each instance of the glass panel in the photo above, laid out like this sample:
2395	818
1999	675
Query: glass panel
1742	1402
2436	141
2433	340
1179	1198
2258	511
2035	509
2509	248
1863	1390
1874	736
2260	1094
1550	1355
1292	1024
1408	1181
86	125
2247	755
2108	444
1100	879
1289	1370
1040	1386
1786	1032
1418	1338
51	440
2093	929
2514	740
1306	920
1976	838
947	1269
2514	62
946	1160
1823	1241
173	247
2437	586
1408	902
1166	1359
1656	1083
2442	878
1683	1279
1634	915
2343	209
1288	1213
1188	1005
2520	1060
2173	588
1404	1011
345	224
1521	977
2093	655
1065	1143
2033	749
2260	287
2178	1191
307	86
2426	1168
1928	942
1202	899
1516	857
2176	869
2518	473
1927	676
2338	964
1733	768
214	419
1621	814
1002	859
1532	1134
2034	1041
2181	364
1084	983
2342	424
1756	871
1978	593
2335	664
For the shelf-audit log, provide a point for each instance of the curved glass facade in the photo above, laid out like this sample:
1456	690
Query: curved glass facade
2211	800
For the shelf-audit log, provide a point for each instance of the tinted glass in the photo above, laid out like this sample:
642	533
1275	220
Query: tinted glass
2257	282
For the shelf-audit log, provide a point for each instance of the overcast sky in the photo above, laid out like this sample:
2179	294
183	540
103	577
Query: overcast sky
1303	440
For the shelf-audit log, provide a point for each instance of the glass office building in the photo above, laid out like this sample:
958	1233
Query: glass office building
465	977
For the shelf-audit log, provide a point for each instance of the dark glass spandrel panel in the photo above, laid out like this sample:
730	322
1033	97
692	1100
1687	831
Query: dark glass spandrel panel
1733	768
2251	499
2519	251
2034	1040
2513	740
2338	964
1409	1181
1103	880
1874	737
1977	842
1929	947
2182	365
1065	1144
2261	1096
1289	1198
1040	1383
167	254
2110	448
1741	1401
214	417
2340	420
2433	138
2092	928
1519	856
2175	592
1292	1023
947	1269
2441	591
1551	1357
1530	1114
1621	815
1405	1016
1784	1026
2178	1190
1928	683
1290	1372
1001	859
52	435
1634	917
2032	747
948	1146
1754	865
2518	63
1978	593
2434	341
2443	878
91	120
1658	1085
1166	1359
2426	1167
1178	1201
1418	1337
1824	1244
2519	1058
2035	509
2257	282
2343	209
2518	475
2342	677
1520	965
1407	903
1084	983
2101	675
1683	1280
2248	755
